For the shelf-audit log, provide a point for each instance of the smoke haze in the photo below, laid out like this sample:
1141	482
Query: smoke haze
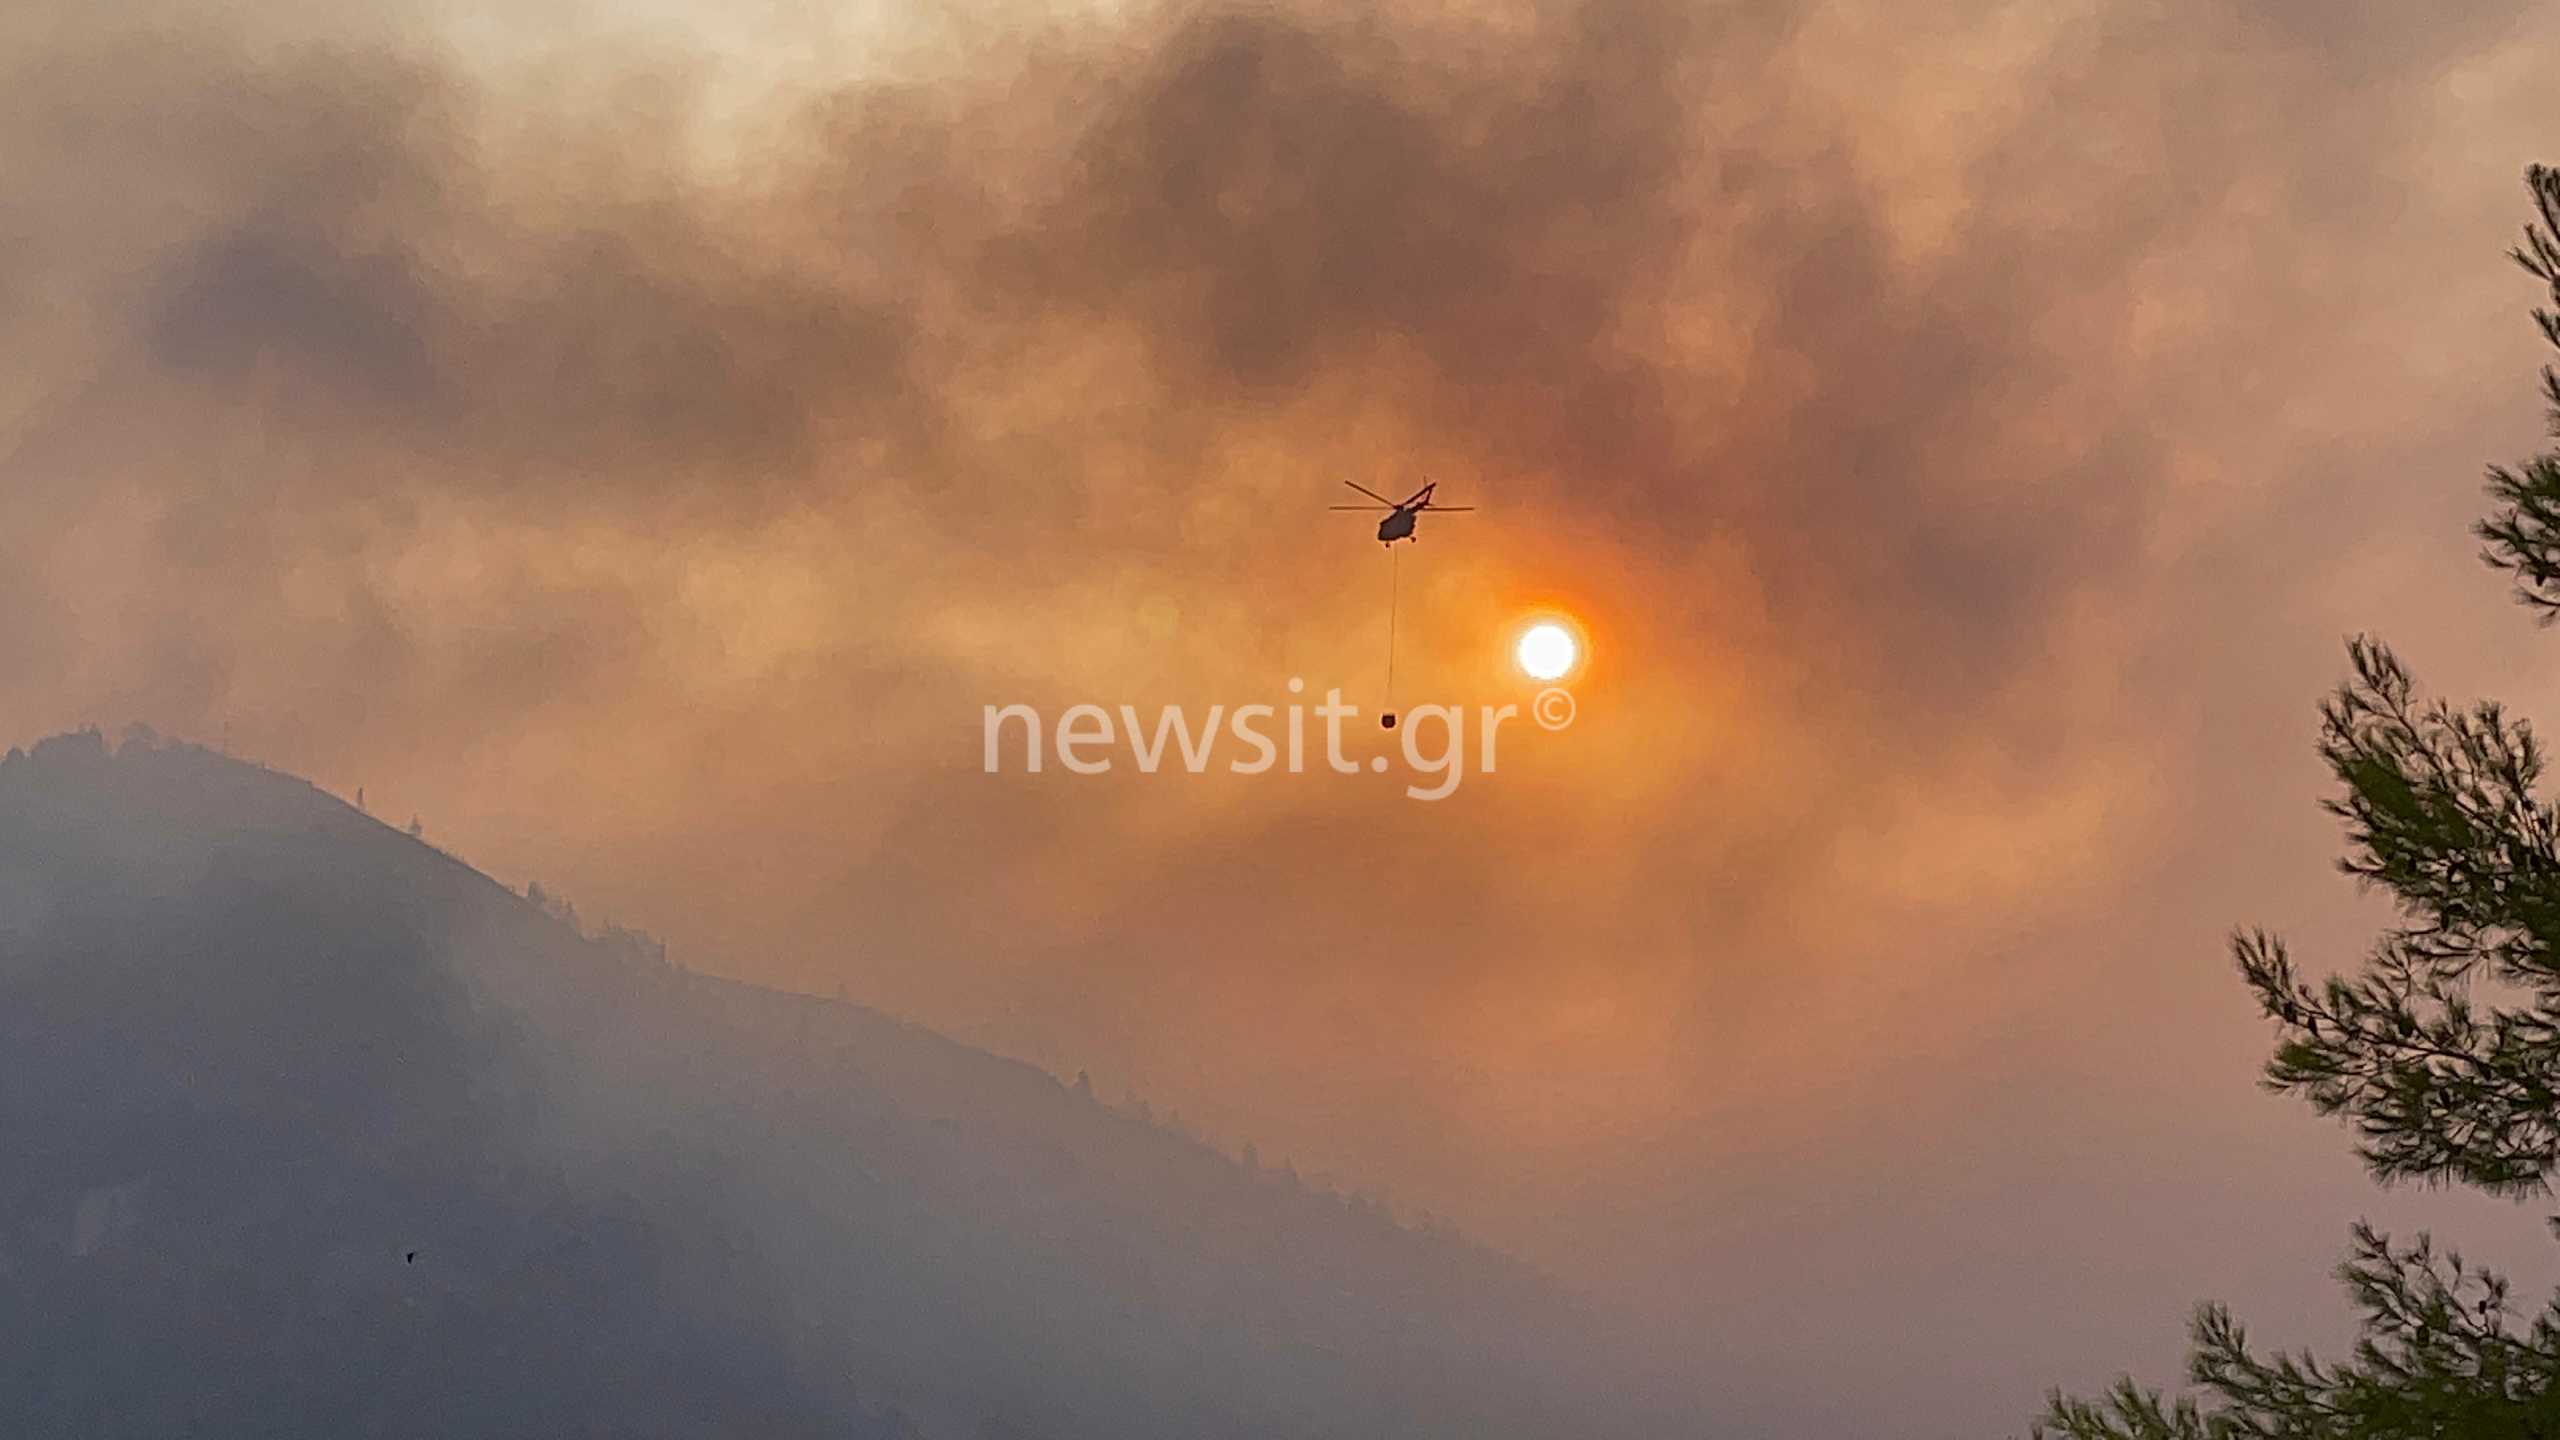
640	443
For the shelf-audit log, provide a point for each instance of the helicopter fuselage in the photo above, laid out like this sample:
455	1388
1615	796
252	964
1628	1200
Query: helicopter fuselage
1397	526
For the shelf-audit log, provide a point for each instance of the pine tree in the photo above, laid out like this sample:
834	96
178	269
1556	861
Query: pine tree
2442	1051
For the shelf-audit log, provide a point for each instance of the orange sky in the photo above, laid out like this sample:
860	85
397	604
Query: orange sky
639	445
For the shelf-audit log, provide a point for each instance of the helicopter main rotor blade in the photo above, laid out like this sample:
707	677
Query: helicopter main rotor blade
1372	494
1363	509
1447	509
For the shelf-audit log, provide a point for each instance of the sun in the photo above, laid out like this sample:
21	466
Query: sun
1546	651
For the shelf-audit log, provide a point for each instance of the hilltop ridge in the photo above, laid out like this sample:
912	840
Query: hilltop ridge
260	1049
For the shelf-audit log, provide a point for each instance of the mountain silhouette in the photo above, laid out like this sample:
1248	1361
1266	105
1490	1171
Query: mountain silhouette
313	1129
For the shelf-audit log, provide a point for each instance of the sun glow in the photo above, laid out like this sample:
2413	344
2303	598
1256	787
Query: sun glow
1546	651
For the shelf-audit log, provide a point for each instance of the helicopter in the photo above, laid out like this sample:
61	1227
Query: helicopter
1400	517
